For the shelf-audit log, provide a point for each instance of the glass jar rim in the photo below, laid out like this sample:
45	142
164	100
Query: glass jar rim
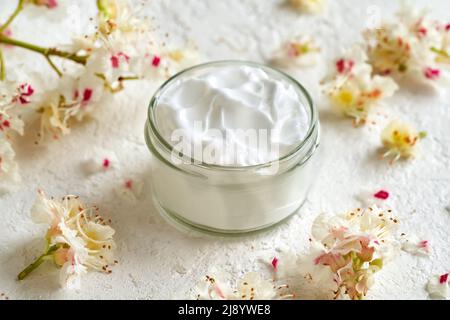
313	124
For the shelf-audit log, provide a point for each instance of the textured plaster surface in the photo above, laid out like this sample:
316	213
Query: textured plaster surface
157	261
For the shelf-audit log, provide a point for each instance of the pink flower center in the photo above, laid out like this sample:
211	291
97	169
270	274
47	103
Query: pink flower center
87	94
106	163
129	184
447	27
382	194
292	51
115	62
156	61
423	244
275	263
4	124
422	31
52	4
443	278
115	59
344	66
24	91
431	73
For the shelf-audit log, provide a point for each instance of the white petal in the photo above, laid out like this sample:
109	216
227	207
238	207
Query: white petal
40	212
69	275
436	289
415	246
99	160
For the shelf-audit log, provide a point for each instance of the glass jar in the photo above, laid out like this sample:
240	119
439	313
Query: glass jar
231	199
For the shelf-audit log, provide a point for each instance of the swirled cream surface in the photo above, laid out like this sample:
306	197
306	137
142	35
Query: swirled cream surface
232	116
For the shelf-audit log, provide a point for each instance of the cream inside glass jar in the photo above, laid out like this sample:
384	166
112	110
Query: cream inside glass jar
233	146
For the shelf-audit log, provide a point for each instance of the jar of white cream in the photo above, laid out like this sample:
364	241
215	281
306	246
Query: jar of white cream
233	146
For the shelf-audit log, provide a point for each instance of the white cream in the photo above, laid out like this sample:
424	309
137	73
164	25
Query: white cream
210	108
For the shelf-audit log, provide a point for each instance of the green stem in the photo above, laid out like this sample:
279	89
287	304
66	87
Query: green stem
32	267
12	17
103	8
37	262
2	66
440	52
47	52
121	80
128	78
444	56
50	62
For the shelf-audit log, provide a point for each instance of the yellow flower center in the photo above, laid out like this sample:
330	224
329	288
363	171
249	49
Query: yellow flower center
345	97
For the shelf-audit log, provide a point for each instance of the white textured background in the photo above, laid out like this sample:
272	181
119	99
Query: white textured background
156	261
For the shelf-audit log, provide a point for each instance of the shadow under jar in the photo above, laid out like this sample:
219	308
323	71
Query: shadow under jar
223	198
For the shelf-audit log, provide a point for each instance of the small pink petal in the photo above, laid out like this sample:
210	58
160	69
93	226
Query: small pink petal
114	61
344	66
275	263
382	194
318	259
106	163
423	31
219	291
156	61
443	278
124	55
129	184
52	4
87	94
431	73
423	244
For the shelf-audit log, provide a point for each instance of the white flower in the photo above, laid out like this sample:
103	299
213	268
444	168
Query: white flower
130	189
348	249
414	46
116	16
9	169
400	140
163	63
99	160
284	264
300	51
351	88
21	90
81	95
78	239
53	118
251	287
213	288
308	6
369	197
416	246
437	286
179	59
73	99
15	98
